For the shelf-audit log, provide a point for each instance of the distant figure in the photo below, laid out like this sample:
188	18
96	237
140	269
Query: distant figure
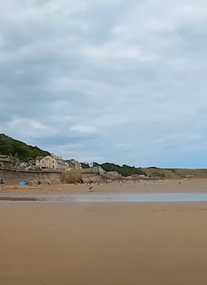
90	187
1	187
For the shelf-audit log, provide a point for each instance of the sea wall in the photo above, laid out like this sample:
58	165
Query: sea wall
14	176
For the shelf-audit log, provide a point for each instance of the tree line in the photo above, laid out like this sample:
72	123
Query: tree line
124	170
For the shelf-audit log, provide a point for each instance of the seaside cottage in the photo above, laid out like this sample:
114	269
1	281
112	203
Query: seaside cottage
51	162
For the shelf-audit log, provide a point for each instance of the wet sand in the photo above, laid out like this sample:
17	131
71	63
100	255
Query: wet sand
113	244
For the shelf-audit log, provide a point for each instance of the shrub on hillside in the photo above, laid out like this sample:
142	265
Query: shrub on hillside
10	146
158	174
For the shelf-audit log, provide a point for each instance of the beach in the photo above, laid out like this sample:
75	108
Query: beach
142	186
103	243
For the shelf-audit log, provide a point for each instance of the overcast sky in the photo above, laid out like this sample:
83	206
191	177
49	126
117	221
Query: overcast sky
123	81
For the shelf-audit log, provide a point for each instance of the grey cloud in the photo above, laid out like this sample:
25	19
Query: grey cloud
81	79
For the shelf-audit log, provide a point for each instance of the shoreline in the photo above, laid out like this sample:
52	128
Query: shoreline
101	197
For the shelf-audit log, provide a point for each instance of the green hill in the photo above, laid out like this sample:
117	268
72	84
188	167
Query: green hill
124	170
10	146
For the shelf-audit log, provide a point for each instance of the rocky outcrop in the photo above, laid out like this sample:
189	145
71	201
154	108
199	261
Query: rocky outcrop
94	178
112	175
71	176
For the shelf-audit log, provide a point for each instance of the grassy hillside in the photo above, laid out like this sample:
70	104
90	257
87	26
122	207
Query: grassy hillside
17	148
124	170
175	173
154	172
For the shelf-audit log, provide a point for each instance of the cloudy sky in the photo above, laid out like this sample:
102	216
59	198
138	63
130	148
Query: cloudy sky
123	81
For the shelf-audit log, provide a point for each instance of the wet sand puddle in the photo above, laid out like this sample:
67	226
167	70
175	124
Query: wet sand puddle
105	197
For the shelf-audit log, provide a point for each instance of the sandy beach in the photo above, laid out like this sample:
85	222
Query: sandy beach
149	243
144	186
103	243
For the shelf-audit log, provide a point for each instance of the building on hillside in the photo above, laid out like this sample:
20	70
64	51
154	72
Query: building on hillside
51	162
74	164
6	161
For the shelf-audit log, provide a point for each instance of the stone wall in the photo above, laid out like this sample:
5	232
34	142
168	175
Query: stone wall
13	176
